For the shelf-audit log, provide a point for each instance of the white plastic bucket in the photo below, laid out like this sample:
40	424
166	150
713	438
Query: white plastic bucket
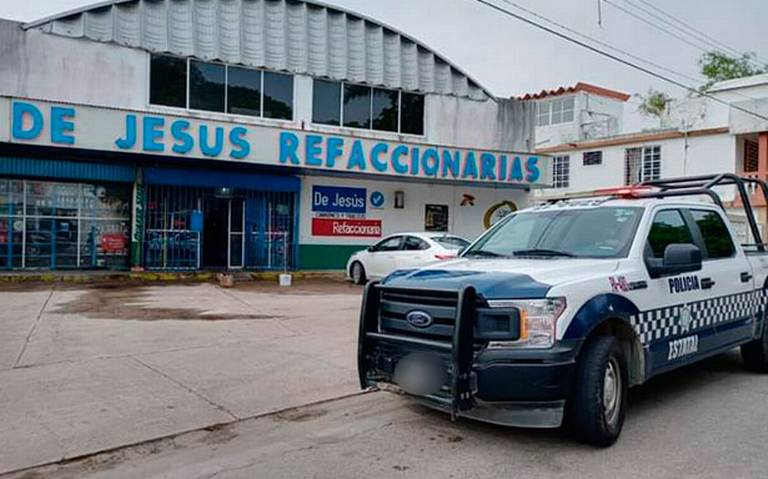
285	279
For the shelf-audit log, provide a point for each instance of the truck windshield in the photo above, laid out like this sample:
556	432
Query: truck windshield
574	233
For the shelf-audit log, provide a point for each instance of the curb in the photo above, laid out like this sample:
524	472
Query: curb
148	276
80	457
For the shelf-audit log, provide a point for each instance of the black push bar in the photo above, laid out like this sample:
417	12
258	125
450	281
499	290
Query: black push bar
461	347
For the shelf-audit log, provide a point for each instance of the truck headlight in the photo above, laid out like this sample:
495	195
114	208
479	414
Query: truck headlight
538	321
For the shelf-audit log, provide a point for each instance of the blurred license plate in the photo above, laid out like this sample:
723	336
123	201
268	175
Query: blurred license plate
420	374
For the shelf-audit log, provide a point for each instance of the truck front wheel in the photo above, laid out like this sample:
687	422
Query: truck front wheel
595	411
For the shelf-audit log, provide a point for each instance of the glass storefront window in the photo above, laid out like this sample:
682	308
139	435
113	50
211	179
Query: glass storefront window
385	109
326	102
278	96
244	91
52	225
412	114
357	106
168	81
206	86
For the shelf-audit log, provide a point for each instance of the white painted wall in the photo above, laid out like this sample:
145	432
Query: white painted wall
40	66
705	155
595	116
466	221
50	67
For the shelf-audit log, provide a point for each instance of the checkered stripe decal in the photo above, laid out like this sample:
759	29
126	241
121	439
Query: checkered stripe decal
661	323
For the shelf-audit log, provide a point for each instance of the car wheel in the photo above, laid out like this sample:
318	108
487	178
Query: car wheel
357	273
595	413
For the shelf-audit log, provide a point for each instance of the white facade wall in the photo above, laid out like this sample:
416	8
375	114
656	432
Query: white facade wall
465	221
48	67
709	154
39	66
595	116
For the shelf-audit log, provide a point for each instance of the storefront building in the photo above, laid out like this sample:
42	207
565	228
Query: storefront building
253	134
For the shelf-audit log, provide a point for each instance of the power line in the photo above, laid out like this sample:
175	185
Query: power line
617	59
705	41
709	44
692	29
654	25
601	43
607	45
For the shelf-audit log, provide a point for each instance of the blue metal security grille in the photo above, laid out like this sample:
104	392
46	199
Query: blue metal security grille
189	228
57	225
171	240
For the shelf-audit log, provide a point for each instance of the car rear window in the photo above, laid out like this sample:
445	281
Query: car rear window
451	242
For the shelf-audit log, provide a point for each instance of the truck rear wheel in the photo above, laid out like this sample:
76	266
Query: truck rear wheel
755	353
595	411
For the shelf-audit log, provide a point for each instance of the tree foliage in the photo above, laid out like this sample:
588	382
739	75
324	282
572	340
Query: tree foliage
717	67
654	103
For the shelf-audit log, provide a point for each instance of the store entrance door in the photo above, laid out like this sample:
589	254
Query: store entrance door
215	232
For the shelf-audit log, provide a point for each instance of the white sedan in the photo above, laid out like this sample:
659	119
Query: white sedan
401	251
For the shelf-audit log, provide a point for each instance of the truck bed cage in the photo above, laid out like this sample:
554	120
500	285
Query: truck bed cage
704	184
698	185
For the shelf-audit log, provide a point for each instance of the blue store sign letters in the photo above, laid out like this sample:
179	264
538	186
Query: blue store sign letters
337	199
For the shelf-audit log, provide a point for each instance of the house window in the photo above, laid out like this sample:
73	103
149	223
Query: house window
750	156
554	112
642	164
357	106
220	88
542	113
561	171
592	158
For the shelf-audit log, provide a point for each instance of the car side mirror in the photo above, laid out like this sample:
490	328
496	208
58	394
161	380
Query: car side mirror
678	258
370	249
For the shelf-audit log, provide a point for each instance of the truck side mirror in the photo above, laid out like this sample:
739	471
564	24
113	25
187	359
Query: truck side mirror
678	258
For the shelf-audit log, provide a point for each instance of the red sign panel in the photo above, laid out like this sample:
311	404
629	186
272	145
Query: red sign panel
113	242
346	227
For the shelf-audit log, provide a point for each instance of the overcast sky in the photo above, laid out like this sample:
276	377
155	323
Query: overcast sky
511	58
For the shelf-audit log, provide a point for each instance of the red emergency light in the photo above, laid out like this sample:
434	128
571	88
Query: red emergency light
632	191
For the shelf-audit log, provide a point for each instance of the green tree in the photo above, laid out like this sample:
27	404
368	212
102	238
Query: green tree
717	67
654	104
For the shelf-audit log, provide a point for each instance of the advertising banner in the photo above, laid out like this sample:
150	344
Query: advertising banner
339	200
346	227
35	122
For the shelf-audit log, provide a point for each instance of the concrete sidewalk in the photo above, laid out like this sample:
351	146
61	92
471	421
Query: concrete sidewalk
89	368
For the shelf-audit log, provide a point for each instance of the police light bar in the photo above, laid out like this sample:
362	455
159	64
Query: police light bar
632	191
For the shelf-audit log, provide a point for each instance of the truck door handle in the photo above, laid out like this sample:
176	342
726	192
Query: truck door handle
746	277
707	283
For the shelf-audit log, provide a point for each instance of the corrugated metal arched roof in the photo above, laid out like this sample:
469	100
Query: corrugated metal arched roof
297	36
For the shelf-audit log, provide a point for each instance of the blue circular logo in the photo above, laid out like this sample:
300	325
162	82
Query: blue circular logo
377	199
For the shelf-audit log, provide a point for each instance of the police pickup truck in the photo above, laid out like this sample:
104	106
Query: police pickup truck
550	316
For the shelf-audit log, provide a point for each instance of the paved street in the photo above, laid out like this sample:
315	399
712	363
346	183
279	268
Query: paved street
83	369
90	369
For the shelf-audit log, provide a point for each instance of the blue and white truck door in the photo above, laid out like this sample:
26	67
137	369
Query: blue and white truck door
672	322
726	316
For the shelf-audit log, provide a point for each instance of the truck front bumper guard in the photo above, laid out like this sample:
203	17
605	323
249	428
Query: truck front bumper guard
462	400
